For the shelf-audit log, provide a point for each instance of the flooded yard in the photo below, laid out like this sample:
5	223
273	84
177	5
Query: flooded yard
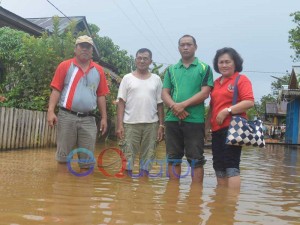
32	191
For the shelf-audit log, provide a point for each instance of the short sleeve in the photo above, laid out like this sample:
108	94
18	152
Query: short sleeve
245	89
159	90
59	75
208	79
102	89
167	79
122	92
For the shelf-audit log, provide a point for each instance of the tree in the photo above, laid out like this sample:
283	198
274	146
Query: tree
30	63
111	53
276	85
156	69
294	35
264	99
254	112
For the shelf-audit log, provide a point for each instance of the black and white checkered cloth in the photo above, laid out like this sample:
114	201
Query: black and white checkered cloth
244	132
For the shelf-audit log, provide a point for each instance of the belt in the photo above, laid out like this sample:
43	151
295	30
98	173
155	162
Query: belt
79	114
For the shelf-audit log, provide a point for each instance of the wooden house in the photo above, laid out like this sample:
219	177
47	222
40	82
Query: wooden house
291	94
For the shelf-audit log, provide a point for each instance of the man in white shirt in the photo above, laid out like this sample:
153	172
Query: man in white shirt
140	114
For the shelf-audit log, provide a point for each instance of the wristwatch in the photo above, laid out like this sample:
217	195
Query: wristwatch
229	110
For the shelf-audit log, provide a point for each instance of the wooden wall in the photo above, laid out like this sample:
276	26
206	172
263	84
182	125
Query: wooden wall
20	128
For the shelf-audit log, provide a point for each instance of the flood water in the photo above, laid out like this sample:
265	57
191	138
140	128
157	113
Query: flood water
32	191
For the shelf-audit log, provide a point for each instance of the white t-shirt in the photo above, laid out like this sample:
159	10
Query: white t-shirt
141	98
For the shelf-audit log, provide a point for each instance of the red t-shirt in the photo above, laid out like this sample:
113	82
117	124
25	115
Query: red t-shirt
222	95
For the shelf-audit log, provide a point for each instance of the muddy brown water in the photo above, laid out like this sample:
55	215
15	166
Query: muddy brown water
32	191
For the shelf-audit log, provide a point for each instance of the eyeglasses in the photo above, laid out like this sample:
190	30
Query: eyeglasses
142	58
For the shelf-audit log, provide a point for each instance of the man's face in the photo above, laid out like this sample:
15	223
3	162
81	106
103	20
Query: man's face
84	51
187	48
143	61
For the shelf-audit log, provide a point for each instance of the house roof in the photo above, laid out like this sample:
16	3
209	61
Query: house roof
293	90
81	24
37	26
295	75
64	22
9	19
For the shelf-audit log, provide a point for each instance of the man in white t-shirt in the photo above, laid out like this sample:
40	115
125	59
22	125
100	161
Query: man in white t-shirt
140	114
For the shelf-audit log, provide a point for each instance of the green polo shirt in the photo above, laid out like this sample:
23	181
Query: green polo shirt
186	82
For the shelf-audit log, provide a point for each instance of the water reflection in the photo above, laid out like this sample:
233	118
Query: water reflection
32	191
71	198
223	206
135	201
183	202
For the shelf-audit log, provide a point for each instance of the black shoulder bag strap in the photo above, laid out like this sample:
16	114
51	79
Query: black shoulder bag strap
235	94
235	90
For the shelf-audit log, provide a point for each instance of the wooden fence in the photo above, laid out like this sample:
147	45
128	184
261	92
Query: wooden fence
20	128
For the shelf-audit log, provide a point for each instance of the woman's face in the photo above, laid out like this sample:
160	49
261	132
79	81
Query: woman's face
226	65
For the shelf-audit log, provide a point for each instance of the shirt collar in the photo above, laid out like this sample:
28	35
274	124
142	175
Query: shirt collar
228	78
194	63
90	66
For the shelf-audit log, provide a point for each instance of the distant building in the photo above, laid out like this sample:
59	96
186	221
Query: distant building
291	95
276	113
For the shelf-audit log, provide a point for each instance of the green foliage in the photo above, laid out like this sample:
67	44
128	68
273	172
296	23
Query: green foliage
111	98
156	69
294	40
262	106
254	112
29	64
276	85
294	35
111	53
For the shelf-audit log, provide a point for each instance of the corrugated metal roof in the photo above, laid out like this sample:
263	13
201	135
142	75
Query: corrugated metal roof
64	22
291	92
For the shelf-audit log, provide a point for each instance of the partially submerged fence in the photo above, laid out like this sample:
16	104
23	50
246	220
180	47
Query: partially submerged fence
21	128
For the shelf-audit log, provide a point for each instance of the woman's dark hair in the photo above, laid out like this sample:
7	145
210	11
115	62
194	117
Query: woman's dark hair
142	50
238	61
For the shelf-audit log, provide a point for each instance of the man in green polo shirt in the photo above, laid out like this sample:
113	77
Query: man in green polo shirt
186	85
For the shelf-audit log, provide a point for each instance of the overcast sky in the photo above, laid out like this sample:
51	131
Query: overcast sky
257	29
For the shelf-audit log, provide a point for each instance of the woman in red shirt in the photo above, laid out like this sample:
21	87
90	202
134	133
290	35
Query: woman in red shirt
226	158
